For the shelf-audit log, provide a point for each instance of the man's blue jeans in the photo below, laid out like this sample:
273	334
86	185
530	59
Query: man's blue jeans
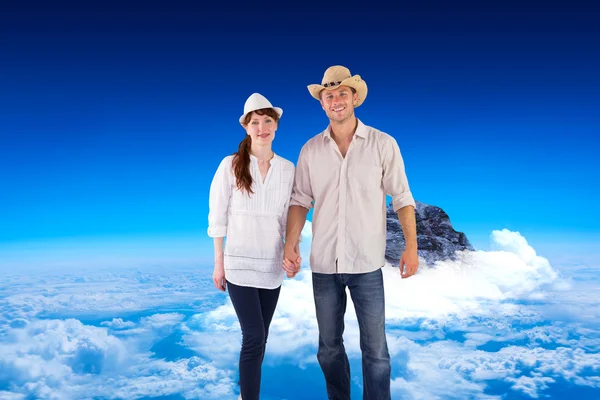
369	302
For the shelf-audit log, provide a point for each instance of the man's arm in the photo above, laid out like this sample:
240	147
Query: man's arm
410	257
395	183
300	203
406	216
295	222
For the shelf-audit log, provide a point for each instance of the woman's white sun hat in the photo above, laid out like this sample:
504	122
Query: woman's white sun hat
256	101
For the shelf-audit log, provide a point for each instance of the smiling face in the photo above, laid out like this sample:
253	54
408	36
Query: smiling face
261	126
339	103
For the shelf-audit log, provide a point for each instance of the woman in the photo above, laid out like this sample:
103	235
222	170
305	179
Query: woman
249	200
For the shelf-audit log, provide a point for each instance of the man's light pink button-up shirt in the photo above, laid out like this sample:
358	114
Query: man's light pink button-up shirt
349	197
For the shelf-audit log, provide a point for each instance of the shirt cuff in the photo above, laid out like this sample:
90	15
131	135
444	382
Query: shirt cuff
403	200
295	202
217	231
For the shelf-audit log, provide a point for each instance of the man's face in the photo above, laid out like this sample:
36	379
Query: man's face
338	103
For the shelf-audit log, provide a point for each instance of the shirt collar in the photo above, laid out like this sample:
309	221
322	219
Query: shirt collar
361	130
254	159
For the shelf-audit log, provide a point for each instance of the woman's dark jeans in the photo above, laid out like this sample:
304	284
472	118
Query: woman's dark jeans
254	308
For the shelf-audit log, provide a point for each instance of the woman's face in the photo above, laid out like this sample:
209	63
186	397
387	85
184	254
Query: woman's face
261	129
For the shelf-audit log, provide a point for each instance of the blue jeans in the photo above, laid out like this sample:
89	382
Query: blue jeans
254	308
369	302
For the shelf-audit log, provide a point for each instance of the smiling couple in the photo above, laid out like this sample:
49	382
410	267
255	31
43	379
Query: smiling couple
259	202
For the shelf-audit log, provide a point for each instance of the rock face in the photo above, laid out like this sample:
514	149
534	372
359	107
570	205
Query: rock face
436	238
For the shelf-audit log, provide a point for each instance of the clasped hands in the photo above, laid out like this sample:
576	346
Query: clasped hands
291	260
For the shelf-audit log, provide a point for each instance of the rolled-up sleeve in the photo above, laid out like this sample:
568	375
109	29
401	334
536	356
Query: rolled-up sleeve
395	182
219	197
302	194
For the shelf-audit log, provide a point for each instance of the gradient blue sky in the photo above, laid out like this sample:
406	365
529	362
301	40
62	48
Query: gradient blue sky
113	119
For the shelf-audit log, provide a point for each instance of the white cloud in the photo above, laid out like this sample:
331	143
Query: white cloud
101	292
192	378
530	385
215	335
118	323
530	369
465	371
471	283
67	359
418	372
159	321
53	350
5	395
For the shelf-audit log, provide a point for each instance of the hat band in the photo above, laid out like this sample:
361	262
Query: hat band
329	84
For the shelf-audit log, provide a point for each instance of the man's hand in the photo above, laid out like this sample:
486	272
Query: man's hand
409	263
291	260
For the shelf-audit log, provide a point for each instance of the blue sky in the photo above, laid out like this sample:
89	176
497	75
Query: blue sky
114	118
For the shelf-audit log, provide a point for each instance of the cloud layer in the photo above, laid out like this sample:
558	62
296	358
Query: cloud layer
484	324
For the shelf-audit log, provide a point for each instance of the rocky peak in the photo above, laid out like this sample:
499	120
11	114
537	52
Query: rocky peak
436	238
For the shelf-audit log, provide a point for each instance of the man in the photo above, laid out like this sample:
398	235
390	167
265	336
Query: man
345	172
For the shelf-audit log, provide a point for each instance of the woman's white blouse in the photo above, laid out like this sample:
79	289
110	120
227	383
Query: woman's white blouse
254	225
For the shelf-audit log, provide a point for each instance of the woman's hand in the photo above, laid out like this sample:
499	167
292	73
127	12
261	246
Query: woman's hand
219	274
